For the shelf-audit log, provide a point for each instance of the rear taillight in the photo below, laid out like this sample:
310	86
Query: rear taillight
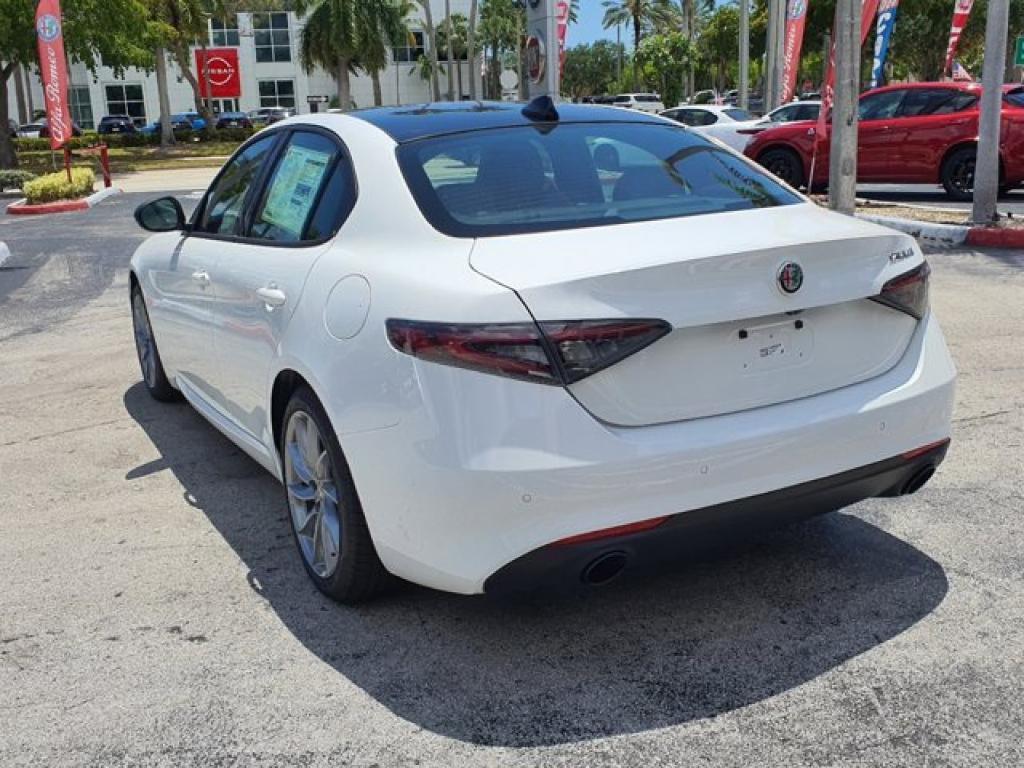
557	352
908	292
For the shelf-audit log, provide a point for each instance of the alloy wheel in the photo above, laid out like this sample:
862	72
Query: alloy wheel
963	175
312	494
144	343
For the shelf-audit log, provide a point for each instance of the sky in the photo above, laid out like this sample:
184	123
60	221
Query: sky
588	27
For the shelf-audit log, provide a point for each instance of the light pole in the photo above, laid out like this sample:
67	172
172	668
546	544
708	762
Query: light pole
842	160
986	169
744	82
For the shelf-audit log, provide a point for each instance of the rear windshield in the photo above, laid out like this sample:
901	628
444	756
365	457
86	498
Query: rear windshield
535	179
738	114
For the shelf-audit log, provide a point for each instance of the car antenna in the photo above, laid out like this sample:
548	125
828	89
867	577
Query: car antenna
541	108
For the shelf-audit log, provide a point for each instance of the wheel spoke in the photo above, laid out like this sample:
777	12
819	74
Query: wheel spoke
305	519
309	439
330	537
304	492
299	466
330	492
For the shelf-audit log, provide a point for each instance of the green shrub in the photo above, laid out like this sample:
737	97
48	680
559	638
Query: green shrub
114	140
14	179
55	186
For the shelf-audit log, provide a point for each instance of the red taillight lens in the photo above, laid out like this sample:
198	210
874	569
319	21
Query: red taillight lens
908	292
505	349
558	352
586	346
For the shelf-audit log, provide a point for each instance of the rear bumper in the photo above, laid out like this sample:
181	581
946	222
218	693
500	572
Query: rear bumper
689	532
480	471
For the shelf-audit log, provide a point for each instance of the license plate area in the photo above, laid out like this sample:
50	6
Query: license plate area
772	346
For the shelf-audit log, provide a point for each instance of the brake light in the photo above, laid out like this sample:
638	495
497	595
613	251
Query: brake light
907	292
556	352
608	533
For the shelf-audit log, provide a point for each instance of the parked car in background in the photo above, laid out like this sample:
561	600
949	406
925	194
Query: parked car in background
29	130
44	129
233	120
567	376
180	123
704	97
115	124
737	133
269	115
704	115
643	102
197	121
911	133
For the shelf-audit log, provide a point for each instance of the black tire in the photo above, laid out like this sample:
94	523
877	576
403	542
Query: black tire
152	368
958	174
785	164
358	574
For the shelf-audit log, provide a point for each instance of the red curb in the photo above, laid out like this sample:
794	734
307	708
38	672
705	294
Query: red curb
62	206
995	237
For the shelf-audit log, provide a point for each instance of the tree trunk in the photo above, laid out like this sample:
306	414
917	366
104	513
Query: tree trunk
180	51
166	129
19	96
428	19
448	40
8	157
344	84
471	49
636	48
458	77
208	111
378	97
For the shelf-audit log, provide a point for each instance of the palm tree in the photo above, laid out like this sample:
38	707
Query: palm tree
448	35
471	48
642	15
453	38
428	22
329	41
377	33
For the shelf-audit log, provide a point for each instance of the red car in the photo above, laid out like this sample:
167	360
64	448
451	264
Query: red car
911	133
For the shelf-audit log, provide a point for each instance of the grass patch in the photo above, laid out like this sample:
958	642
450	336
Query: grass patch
210	154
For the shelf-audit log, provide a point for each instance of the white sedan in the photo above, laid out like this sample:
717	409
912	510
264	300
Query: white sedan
734	126
485	347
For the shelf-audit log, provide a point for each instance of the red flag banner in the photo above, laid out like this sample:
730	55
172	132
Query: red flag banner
796	18
54	70
562	16
961	12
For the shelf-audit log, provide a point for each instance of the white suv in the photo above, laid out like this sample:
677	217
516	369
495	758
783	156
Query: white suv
645	102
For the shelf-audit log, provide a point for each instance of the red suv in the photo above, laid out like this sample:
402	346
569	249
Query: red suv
911	133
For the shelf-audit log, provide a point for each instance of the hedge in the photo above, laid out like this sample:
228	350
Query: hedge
13	179
55	186
91	138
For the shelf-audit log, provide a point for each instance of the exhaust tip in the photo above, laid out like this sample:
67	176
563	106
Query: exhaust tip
917	482
604	568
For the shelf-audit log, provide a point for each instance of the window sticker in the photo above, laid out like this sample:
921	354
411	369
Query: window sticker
294	189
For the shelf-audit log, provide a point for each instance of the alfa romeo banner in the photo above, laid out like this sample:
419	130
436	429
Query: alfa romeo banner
562	14
961	12
883	34
796	18
53	68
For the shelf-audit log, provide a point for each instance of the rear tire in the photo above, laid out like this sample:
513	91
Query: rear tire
784	163
326	517
153	375
958	174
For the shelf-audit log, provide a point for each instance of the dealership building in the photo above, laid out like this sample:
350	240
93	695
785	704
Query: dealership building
253	62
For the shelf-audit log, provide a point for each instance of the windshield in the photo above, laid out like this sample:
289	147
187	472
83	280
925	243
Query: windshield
534	179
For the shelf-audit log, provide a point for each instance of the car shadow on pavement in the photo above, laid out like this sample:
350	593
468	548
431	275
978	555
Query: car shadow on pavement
710	637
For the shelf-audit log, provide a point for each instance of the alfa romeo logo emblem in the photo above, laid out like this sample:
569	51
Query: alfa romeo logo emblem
48	28
791	277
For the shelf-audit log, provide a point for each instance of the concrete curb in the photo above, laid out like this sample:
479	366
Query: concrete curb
21	208
944	235
948	235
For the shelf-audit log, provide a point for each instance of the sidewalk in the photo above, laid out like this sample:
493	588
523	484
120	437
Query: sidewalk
176	180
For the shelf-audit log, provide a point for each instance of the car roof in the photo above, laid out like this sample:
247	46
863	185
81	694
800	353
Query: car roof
410	123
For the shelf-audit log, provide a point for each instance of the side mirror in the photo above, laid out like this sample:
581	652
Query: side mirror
161	215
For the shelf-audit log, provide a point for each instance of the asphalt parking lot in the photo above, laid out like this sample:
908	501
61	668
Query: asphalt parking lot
153	610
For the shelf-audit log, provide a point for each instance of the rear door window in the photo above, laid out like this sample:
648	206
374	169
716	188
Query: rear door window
935	101
880	106
526	179
309	193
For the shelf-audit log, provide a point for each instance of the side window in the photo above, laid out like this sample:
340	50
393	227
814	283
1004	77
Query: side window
935	101
308	194
782	115
807	112
709	118
691	117
222	214
880	106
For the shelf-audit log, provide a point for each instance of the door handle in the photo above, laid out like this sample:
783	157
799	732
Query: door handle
201	277
272	296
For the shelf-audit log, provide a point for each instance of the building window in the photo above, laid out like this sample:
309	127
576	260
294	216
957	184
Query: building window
81	107
412	50
126	99
223	105
224	32
277	93
272	40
